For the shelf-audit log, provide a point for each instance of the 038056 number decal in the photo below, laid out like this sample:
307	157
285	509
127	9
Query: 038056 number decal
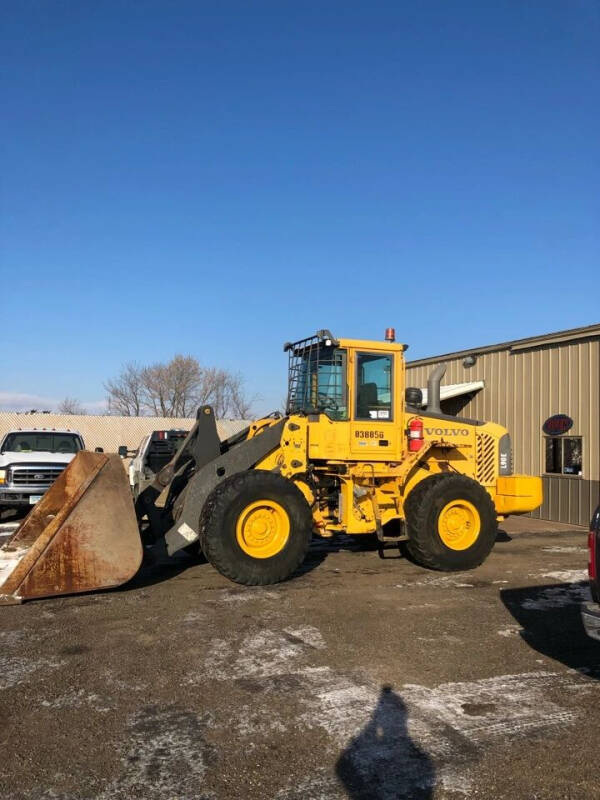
369	434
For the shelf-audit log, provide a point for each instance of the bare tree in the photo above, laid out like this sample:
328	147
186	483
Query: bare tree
70	405
213	390
125	393
171	390
176	389
241	405
224	391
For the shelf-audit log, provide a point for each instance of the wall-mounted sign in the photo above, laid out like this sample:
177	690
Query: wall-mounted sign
559	423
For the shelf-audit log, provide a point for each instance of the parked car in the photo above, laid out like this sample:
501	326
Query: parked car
155	451
31	459
590	612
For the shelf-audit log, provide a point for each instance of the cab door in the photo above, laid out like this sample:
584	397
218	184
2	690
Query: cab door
373	427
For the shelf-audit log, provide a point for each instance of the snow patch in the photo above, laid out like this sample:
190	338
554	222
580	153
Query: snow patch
403	742
492	708
335	703
307	635
567	575
456	580
14	671
11	638
263	654
314	787
453	720
243	596
254	724
454	781
77	698
510	631
194	616
266	653
9	561
8	528
122	685
167	756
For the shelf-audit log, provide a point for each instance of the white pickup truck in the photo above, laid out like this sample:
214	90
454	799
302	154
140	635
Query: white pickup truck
155	451
30	461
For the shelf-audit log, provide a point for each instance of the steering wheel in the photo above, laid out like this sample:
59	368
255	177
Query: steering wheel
326	401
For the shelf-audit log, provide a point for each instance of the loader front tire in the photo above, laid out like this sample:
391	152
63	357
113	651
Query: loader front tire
451	523
256	528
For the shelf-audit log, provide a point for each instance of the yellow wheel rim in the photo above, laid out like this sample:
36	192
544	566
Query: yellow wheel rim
459	524
262	529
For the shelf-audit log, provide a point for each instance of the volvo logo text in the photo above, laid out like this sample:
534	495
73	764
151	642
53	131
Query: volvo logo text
447	431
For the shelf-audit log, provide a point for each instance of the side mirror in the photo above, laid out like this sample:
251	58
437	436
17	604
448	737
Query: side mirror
123	451
98	449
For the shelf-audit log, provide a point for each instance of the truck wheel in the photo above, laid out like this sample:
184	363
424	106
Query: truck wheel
256	528
451	523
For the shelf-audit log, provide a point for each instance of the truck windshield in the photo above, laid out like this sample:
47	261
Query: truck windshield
317	381
41	442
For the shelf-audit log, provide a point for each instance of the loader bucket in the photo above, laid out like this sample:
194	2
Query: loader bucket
82	535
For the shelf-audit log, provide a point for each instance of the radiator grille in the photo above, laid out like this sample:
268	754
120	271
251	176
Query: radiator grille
486	459
42	477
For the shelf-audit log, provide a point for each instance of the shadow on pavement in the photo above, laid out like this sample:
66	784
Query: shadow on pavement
550	621
382	761
157	571
158	566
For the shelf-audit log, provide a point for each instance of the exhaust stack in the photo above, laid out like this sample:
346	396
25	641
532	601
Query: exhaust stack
433	388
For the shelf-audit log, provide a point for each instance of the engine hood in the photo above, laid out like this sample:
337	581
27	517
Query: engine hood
9	457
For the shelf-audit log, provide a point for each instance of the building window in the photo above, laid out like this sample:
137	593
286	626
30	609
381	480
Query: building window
564	455
374	387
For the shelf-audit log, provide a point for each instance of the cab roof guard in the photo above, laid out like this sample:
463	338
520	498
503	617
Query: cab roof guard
323	336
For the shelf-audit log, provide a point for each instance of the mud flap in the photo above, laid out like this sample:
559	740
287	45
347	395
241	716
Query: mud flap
82	535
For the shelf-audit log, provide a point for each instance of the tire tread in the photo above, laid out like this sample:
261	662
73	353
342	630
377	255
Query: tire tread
422	541
212	520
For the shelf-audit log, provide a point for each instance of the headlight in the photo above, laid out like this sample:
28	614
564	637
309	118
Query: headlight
2	476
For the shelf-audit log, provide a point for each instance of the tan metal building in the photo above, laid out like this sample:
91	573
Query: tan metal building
546	391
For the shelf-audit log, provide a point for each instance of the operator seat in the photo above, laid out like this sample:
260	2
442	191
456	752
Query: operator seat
366	400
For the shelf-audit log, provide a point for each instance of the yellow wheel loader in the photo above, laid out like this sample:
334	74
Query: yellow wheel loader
355	453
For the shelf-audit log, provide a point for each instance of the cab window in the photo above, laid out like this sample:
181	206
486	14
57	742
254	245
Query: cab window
317	382
373	386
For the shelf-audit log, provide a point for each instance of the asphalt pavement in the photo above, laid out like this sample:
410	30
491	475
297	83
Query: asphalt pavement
360	678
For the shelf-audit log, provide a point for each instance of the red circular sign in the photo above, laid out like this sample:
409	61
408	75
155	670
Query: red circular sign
559	423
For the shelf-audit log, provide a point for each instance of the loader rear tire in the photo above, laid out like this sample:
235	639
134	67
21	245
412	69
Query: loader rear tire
256	528
451	523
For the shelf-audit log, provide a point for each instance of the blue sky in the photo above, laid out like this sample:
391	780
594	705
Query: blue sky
215	178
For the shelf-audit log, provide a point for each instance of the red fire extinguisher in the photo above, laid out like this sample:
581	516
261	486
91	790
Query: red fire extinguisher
415	434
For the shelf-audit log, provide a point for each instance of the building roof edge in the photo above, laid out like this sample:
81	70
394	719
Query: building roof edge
515	344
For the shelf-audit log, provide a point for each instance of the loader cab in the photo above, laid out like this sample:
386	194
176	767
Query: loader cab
354	390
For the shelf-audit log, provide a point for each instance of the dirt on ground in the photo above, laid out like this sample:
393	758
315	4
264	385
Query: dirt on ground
361	678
